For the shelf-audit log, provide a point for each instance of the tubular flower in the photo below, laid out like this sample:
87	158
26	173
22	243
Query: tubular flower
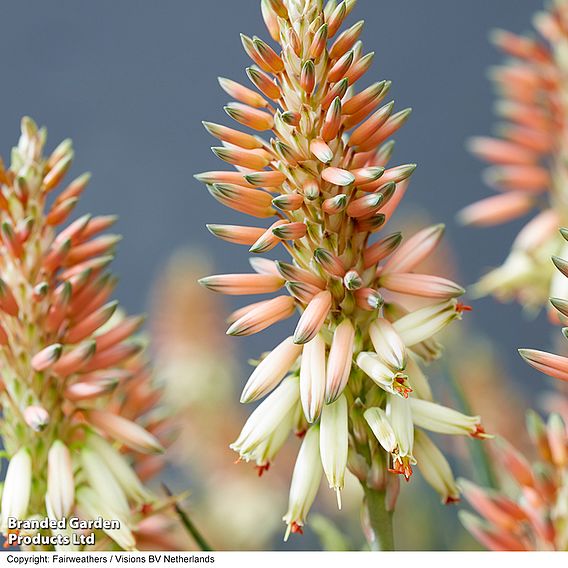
530	513
322	171
528	159
70	369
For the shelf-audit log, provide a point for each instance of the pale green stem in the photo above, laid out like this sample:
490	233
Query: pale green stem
380	535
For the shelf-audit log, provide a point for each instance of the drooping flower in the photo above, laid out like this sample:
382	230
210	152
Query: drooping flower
322	172
527	160
70	367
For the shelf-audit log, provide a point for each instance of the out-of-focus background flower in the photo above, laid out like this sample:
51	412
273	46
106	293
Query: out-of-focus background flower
130	83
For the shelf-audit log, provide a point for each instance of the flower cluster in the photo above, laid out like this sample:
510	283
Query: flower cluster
348	380
528	160
531	513
75	388
535	515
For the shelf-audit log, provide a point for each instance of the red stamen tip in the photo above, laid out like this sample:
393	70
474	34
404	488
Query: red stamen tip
479	433
296	528
460	308
449	500
262	468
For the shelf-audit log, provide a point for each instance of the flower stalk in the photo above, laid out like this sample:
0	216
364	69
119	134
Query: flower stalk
314	165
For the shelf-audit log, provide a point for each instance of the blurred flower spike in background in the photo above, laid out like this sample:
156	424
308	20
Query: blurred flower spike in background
77	395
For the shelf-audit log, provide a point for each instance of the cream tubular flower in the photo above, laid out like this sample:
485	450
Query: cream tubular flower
17	487
305	482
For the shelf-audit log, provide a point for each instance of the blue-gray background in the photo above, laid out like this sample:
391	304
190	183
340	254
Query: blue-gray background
130	82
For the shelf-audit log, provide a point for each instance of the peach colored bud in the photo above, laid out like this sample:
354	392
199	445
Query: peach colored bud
245	200
290	231
336	18
340	67
46	357
271	21
500	151
496	209
8	301
346	40
232	136
267	240
74	189
294	273
113	355
52	179
75	359
371	126
123	330
90	324
236	234
61	211
224	177
242	284
337	176
537	231
381	249
367	96
250	116
423	285
242	94
88	391
308	77
337	90
318	43
332	121
367	174
413	251
531	179
393	123
36	417
273	62
359	67
262	316
321	150
548	363
264	83
340	360
251	159
265	178
125	431
368	299
329	262
336	204
313	317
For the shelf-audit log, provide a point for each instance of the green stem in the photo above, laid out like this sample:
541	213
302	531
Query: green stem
189	525
380	534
